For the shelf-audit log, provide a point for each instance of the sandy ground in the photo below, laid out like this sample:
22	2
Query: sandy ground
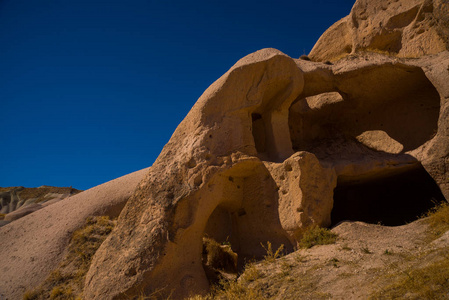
353	267
33	245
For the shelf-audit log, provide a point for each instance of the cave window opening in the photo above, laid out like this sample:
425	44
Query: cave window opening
392	201
258	130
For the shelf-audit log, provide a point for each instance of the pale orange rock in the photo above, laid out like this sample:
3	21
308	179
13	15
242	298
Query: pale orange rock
260	156
411	28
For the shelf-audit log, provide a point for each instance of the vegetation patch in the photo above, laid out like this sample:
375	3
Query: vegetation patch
315	235
67	281
417	282
218	256
252	273
272	255
438	219
231	289
2	216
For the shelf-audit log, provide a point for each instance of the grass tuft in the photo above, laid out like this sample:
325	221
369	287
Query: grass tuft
438	219
252	273
272	255
315	235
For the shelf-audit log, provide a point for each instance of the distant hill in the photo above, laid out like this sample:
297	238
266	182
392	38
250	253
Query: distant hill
16	202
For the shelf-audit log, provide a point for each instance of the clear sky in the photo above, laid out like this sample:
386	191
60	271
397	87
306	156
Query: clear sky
92	90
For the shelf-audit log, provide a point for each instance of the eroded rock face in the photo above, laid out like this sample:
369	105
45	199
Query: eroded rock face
210	163
258	158
411	28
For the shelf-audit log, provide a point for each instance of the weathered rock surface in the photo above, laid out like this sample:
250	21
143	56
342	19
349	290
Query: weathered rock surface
411	28
259	155
34	245
264	151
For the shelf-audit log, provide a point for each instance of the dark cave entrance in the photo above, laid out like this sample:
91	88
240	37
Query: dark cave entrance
258	128
220	254
392	201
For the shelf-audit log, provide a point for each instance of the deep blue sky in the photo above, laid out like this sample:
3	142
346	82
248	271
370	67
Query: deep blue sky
92	90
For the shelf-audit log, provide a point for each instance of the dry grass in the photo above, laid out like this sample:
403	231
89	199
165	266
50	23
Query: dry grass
2	216
252	273
231	290
315	235
67	281
423	279
438	219
272	255
218	256
418	282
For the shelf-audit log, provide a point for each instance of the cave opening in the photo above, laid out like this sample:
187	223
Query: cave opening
392	200
246	218
258	129
220	246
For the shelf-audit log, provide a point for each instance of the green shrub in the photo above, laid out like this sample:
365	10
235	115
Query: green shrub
315	235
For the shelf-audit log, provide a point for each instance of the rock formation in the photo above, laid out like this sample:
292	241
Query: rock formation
16	202
272	143
259	155
410	28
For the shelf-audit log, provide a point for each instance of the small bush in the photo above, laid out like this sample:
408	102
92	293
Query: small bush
2	216
315	235
304	57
